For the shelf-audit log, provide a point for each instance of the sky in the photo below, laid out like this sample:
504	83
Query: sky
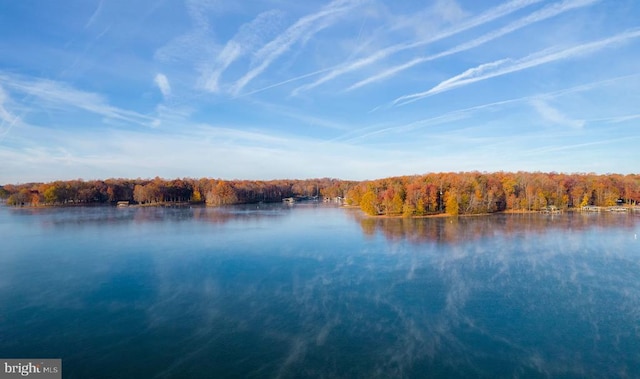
350	89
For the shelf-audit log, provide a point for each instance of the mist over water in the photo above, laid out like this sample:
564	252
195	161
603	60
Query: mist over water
316	291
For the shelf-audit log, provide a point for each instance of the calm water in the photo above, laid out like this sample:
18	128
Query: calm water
316	291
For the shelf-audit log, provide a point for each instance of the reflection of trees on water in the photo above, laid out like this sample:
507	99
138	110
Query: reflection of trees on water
456	229
78	216
211	215
239	213
529	294
498	296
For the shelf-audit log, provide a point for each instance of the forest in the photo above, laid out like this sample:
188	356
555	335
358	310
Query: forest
478	193
159	191
417	195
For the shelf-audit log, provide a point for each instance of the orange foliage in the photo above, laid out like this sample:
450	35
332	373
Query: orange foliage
433	193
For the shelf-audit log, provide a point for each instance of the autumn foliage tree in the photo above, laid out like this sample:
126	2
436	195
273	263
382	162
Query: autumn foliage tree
418	195
369	203
475	192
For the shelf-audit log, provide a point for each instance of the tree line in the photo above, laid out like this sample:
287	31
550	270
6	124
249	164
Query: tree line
476	193
418	195
162	191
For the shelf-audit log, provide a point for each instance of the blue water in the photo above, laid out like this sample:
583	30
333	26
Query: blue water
278	291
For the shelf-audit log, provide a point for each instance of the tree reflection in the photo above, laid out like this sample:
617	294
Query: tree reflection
456	229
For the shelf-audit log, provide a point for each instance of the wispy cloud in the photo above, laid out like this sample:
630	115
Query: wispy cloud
301	118
94	15
618	119
174	115
286	82
486	17
507	66
554	115
199	11
541	15
197	45
557	148
5	116
103	152
302	30
163	84
217	82
52	94
7	120
244	42
465	113
232	50
445	118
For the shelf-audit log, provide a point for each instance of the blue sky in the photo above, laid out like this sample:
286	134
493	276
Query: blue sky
352	89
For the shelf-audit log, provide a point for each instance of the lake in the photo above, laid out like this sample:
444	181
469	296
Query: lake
313	290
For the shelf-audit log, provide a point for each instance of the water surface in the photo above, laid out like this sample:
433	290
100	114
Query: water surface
317	291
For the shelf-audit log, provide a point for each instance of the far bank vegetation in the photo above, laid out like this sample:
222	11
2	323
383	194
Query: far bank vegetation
419	195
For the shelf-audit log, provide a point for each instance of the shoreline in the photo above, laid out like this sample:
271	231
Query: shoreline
509	211
628	209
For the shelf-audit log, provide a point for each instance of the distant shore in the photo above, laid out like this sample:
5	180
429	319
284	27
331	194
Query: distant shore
509	211
418	196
